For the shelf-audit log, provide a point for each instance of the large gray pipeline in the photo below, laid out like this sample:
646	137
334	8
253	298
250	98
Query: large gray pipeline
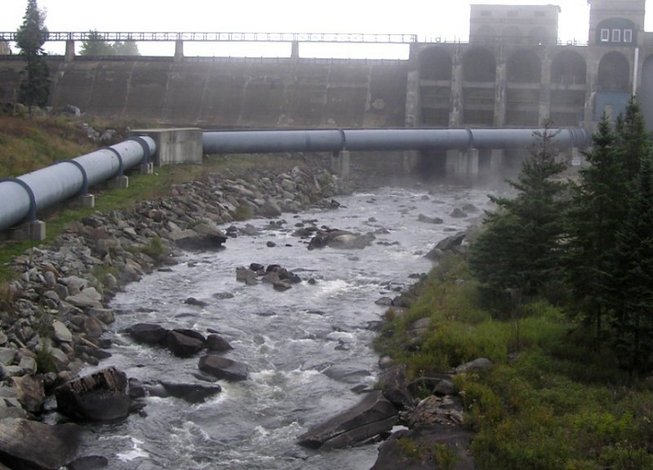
22	197
325	140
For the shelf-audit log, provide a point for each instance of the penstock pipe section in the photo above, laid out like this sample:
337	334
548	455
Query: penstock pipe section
332	140
24	196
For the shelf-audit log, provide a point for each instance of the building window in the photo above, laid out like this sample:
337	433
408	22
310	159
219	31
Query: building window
616	35
605	35
628	35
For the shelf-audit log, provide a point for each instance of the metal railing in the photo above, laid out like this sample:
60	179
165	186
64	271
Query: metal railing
362	38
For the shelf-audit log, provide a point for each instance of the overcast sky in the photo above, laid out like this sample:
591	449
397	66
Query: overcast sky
426	18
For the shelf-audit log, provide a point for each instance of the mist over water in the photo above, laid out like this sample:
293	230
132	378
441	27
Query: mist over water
293	342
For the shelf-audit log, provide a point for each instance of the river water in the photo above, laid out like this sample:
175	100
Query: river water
306	348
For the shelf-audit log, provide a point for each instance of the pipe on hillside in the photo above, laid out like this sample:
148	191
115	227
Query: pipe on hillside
324	140
23	197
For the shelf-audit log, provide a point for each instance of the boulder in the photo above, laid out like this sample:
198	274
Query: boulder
394	386
429	220
372	416
34	445
203	237
61	332
223	368
217	343
246	275
30	392
184	343
87	298
89	462
340	239
478	364
101	396
192	393
393	455
147	333
449	244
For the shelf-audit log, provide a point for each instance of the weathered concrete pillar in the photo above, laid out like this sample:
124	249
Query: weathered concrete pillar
179	49
412	116
70	51
176	145
496	160
591	80
545	90
147	168
500	86
456	101
341	163
472	163
294	50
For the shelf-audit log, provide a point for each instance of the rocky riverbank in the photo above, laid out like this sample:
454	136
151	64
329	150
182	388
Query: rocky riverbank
53	316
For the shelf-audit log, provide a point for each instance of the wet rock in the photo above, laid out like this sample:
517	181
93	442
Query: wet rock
101	396
223	368
192	393
457	213
29	444
196	302
346	374
447	245
384	301
394	387
246	275
429	220
223	295
184	343
90	462
340	239
147	333
372	416
217	343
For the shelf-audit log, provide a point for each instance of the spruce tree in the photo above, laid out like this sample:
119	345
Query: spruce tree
633	140
630	292
30	37
596	212
518	250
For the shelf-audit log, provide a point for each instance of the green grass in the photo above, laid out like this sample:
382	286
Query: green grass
549	402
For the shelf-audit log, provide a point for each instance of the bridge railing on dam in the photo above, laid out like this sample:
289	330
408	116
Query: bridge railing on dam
25	196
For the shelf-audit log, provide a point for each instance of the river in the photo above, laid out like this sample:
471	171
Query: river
306	348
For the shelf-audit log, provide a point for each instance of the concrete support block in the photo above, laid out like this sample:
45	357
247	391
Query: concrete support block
496	160
173	146
179	49
294	50
147	168
576	157
341	164
70	51
119	182
34	230
472	163
87	201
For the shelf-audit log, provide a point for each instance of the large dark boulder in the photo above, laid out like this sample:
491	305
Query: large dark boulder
192	393
445	246
217	343
30	392
372	416
101	396
395	388
29	444
223	368
393	455
184	343
147	333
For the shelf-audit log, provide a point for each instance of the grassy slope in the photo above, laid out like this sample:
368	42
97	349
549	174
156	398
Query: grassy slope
550	402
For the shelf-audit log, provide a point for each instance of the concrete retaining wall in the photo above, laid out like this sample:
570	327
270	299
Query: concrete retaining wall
213	92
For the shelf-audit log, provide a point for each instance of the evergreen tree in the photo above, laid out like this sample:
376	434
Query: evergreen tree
30	37
518	251
630	290
596	212
633	140
95	46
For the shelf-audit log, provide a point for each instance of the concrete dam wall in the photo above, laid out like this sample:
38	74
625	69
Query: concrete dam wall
214	92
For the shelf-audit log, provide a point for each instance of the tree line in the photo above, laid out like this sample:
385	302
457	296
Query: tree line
586	245
35	81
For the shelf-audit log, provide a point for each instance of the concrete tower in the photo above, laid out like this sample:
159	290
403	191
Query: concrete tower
616	22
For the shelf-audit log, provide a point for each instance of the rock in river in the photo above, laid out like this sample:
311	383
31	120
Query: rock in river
372	416
223	368
33	445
